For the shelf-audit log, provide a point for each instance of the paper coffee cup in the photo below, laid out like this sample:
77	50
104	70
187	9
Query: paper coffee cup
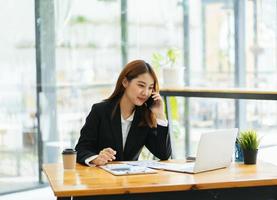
69	158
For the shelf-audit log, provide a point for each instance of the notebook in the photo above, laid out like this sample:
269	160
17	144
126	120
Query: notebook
215	151
126	169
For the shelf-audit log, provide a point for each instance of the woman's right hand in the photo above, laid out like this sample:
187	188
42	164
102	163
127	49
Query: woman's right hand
106	155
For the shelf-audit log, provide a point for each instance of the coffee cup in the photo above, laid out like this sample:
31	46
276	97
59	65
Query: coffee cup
69	158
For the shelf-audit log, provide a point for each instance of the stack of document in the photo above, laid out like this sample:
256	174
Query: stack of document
146	167
162	165
126	169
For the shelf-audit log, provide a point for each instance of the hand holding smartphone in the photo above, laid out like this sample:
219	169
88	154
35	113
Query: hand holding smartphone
155	104
149	102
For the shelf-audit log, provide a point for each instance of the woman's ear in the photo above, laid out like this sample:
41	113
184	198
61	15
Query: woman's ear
125	82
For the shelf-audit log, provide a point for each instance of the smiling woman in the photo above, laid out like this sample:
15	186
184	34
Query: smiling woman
120	126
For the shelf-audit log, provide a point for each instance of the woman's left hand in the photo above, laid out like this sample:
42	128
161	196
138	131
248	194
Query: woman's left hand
158	107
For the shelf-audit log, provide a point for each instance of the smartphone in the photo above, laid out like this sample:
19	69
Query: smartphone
149	102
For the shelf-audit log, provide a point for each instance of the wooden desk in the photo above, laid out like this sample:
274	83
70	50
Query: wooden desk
236	182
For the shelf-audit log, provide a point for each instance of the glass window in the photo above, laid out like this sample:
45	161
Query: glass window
18	147
88	61
212	64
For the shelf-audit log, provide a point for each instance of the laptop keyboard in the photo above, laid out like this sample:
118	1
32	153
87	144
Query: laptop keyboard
186	167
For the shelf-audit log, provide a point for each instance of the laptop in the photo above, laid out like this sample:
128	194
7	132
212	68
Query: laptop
215	151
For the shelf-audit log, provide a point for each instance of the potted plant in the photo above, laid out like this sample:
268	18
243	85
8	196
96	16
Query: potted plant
249	142
172	72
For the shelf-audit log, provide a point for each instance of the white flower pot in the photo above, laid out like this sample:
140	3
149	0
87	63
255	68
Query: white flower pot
173	77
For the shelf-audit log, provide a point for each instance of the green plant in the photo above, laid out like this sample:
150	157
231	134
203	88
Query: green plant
80	19
169	58
172	56
249	140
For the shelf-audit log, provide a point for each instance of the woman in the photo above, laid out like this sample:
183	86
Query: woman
118	127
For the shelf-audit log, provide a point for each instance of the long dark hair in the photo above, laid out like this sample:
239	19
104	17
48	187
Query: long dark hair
132	70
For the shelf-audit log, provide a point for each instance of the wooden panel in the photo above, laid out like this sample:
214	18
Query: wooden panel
95	181
220	90
231	93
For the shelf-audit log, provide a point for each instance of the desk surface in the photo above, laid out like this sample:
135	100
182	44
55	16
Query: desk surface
94	181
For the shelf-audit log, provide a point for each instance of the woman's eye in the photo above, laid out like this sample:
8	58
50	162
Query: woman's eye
141	85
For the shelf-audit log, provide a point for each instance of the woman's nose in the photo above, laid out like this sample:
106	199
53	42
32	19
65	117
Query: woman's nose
145	92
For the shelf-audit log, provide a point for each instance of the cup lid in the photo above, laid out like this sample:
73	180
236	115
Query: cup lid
69	151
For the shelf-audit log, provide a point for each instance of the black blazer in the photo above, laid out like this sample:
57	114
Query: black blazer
101	130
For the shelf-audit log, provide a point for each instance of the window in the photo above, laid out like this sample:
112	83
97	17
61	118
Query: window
18	146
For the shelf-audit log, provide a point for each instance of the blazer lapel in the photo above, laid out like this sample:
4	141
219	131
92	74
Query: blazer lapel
117	131
131	138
